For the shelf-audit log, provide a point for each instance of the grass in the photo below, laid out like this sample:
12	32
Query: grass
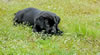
80	21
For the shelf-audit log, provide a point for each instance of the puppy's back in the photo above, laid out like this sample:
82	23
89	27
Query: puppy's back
27	10
26	15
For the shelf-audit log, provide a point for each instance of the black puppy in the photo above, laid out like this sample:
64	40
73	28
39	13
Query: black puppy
39	20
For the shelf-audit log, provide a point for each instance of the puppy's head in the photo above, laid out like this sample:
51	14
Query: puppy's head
48	22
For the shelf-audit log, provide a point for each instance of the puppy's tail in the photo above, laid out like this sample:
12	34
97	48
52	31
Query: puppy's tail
14	13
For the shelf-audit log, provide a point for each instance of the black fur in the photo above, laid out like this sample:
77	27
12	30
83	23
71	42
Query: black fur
39	20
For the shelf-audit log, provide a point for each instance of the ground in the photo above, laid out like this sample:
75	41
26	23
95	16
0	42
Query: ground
80	22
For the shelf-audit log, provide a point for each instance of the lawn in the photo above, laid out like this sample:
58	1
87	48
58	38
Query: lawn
80	22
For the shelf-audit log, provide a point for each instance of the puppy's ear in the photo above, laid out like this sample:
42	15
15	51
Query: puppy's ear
57	18
39	21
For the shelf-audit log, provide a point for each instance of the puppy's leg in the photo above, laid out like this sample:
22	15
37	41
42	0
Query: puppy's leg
15	22
37	28
34	28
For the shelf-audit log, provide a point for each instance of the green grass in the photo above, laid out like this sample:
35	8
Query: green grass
80	21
